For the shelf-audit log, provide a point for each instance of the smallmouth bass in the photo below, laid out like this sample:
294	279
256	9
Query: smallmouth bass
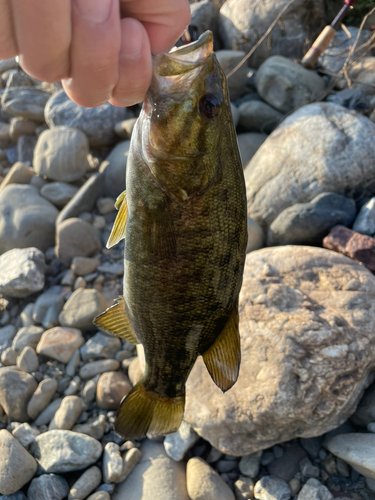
183	217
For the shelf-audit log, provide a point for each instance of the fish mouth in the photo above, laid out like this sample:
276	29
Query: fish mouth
183	59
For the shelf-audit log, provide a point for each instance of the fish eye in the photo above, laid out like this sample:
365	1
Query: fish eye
209	106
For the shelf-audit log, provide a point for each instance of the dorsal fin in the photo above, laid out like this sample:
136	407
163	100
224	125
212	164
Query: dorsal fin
116	321
223	358
119	226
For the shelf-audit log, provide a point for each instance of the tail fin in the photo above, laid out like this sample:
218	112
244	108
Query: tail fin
143	411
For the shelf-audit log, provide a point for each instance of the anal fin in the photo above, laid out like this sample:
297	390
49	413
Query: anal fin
143	411
223	358
119	226
115	320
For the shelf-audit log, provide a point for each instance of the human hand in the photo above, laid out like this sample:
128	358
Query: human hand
100	49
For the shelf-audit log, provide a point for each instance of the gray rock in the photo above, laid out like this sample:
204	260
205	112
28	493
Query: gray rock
48	487
111	389
365	412
308	469
351	98
249	464
62	451
7	64
58	193
25	148
314	490
26	102
112	268
258	116
27	360
255	236
362	76
47	309
60	343
75	237
155	476
203	482
309	223
94	427
112	463
271	488
16	496
242	24
358	450
335	55
7	335
99	495
84	199
228	60
89	370
85	484
41	397
81	308
130	460
27	315
25	434
27	336
21	272
26	219
84	265
286	85
365	220
73	364
296	303
89	391
289	168
18	174
125	128
101	345
17	466
205	16
178	443
9	357
47	414
67	414
114	170
21	126
16	389
61	154
244	488
97	123
106	205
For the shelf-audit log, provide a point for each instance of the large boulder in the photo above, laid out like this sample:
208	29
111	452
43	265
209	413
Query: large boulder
307	323
286	85
242	23
26	219
97	123
293	166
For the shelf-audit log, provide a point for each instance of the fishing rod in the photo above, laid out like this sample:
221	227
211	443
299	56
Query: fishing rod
321	43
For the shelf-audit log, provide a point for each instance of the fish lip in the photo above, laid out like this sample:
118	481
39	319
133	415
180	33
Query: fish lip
183	59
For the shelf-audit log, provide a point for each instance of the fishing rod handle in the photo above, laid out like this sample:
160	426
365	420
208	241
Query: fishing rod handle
321	43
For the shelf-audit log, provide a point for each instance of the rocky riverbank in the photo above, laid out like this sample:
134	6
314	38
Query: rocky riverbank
300	421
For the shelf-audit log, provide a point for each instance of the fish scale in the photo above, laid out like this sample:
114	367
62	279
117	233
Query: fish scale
184	222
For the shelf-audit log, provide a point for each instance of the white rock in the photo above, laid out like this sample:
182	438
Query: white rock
178	443
357	449
21	272
365	221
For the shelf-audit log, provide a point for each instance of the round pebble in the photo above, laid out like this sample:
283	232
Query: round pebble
28	360
111	388
85	484
67	414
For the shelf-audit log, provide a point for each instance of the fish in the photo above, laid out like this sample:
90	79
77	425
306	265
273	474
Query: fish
184	220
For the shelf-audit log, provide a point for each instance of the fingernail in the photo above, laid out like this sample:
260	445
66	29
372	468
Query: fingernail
94	11
131	39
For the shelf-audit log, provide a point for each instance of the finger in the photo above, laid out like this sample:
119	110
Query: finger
8	44
135	65
95	48
43	32
164	20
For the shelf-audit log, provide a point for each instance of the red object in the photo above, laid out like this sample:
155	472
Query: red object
350	2
352	244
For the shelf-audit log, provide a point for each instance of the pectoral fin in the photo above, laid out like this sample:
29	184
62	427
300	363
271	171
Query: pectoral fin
223	358
119	226
115	320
